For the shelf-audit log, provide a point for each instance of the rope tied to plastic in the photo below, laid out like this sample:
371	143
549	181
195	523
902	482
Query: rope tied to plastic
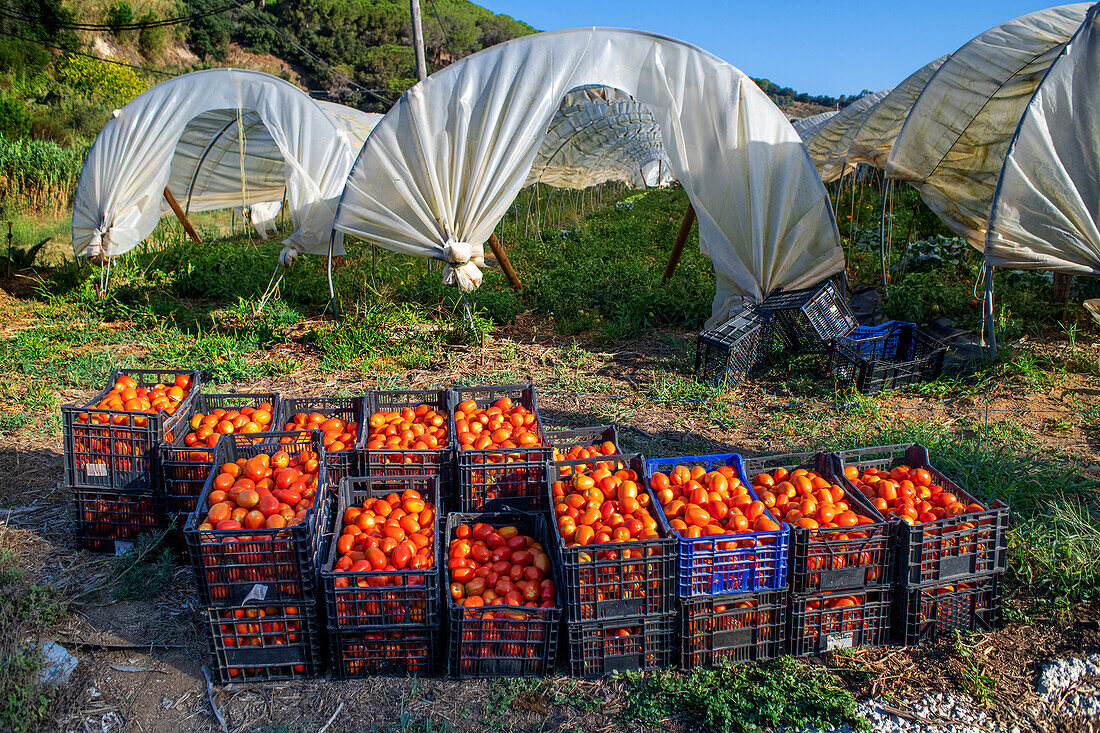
98	244
463	260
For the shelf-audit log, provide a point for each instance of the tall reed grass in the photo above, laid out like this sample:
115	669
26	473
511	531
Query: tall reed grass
38	177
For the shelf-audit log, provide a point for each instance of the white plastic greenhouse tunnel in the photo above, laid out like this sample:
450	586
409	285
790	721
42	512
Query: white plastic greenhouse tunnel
442	167
1003	145
217	139
829	143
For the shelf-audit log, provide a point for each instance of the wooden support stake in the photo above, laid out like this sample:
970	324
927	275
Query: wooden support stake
181	216
502	258
681	240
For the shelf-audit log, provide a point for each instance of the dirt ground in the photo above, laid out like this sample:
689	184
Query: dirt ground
141	662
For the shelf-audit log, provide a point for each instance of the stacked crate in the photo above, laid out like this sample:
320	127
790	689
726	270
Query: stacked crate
949	572
892	355
437	460
619	595
259	586
502	639
184	468
343	462
840	579
730	588
727	354
806	321
112	466
488	479
383	622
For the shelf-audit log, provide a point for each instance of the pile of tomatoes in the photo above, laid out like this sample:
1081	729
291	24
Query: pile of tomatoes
127	396
498	566
263	492
391	534
339	434
580	452
597	505
207	429
260	627
505	425
702	503
806	499
417	428
910	494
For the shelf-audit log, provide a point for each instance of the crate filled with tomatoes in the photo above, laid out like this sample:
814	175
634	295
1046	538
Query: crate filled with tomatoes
503	608
111	521
824	622
922	615
728	541
943	532
186	463
261	642
746	627
500	448
573	443
383	565
382	652
338	419
616	561
838	539
256	533
406	433
599	648
111	442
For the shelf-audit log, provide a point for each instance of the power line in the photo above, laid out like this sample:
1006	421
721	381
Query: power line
446	36
88	55
121	26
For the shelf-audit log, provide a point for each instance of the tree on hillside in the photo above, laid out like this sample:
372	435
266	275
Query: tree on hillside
208	37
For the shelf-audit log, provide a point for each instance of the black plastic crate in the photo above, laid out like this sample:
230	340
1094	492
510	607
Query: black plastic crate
887	357
737	348
501	640
266	564
111	521
262	642
491	478
824	622
934	552
356	653
922	615
747	627
617	579
834	559
382	598
121	453
596	436
598	648
184	469
805	321
349	409
408	461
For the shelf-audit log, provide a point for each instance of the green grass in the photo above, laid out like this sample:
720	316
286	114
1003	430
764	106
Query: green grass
27	612
783	694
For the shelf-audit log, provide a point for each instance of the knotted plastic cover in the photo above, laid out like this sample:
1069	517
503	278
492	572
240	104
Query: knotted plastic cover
954	142
601	134
448	159
881	126
828	147
1047	205
186	134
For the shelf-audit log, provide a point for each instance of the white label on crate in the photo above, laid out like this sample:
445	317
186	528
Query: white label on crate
96	469
838	641
258	593
121	547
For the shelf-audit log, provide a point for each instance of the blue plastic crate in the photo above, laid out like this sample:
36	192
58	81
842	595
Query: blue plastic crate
707	569
874	342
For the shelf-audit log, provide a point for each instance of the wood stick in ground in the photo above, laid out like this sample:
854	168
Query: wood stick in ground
681	240
502	258
181	215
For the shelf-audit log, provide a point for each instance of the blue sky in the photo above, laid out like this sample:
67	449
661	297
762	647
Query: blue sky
836	47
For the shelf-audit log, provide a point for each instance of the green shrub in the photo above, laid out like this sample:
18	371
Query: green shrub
94	79
118	15
15	119
151	40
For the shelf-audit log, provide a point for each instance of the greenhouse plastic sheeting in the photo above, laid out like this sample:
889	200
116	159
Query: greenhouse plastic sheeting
300	147
953	144
1048	202
875	139
807	126
445	163
601	134
828	147
356	123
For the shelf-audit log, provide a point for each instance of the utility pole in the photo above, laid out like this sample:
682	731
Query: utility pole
418	39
